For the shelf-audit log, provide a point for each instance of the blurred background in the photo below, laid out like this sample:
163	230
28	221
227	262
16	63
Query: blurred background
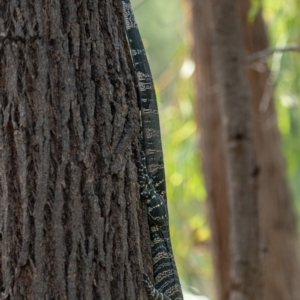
171	31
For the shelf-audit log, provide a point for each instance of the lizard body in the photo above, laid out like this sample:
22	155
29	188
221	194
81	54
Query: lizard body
151	173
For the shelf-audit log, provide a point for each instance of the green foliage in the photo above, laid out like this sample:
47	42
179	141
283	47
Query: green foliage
283	22
255	7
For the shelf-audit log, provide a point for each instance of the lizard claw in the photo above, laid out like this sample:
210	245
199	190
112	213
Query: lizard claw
146	280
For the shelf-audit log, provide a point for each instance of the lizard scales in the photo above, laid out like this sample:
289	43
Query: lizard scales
166	281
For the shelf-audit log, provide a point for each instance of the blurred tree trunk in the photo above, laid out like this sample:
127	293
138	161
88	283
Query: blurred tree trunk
281	266
211	145
71	226
230	69
280	258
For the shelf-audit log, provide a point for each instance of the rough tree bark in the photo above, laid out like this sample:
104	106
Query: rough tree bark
230	67
71	225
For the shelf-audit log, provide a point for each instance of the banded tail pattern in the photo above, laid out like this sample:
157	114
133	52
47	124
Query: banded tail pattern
148	103
152	174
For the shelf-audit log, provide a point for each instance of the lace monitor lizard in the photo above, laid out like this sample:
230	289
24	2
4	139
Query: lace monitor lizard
151	173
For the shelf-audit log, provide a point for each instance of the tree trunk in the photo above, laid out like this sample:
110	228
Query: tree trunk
211	144
280	243
281	265
241	166
71	223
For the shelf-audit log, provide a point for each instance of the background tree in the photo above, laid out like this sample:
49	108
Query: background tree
241	165
280	243
71	221
211	144
278	258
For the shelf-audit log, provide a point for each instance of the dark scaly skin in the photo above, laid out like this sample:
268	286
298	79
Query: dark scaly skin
167	285
151	173
148	103
152	292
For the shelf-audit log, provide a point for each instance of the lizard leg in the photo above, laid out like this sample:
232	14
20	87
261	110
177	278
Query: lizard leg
152	292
